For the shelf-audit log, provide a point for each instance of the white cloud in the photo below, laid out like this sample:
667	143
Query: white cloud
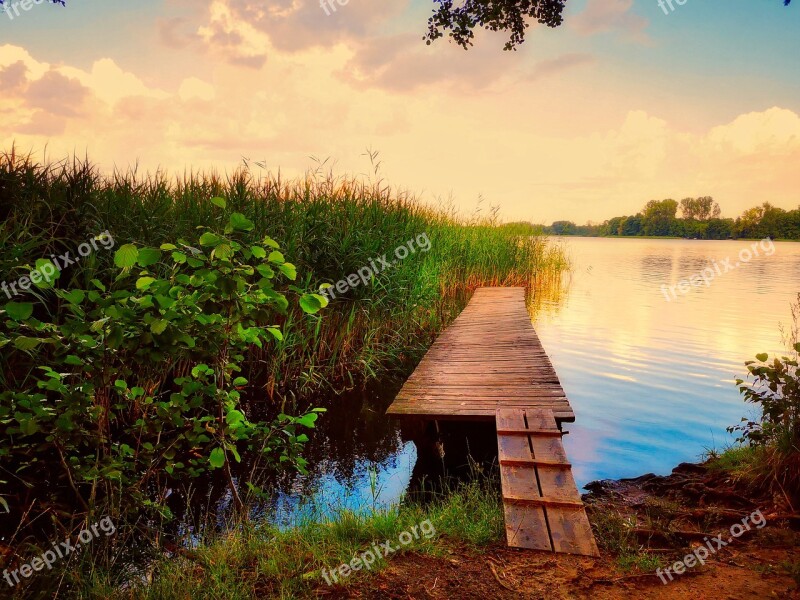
194	88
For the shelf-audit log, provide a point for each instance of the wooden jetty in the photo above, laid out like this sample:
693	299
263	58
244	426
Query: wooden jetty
490	365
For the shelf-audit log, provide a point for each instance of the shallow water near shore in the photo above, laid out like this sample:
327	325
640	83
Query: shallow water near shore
651	380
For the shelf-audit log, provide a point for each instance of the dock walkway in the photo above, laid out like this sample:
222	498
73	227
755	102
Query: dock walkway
490	365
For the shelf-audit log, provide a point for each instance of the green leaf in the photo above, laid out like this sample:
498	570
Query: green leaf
265	271
168	247
26	343
210	239
276	333
144	282
241	223
258	251
126	256
217	458
268	241
19	311
148	256
308	420
4	504
179	257
312	303
158	326
222	252
762	357
164	301
239	381
74	296
276	257
28	426
234	418
289	270
218	201
48	271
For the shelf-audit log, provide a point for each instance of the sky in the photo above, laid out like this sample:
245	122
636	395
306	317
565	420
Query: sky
624	103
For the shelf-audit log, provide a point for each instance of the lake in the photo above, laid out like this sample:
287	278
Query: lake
651	379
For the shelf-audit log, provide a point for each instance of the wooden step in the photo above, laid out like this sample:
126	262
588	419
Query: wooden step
543	509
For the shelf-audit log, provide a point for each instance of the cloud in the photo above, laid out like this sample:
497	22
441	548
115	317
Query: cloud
246	31
403	63
773	131
603	16
110	83
194	88
554	66
57	95
172	33
13	77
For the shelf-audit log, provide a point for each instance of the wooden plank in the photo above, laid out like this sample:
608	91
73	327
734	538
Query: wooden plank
528	432
526	525
550	486
521	462
489	356
570	530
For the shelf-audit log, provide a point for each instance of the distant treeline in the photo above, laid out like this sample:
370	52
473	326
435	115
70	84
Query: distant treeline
700	219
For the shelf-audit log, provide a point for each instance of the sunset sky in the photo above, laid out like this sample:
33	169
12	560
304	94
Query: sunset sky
620	105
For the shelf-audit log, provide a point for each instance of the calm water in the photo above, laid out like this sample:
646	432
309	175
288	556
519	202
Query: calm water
651	380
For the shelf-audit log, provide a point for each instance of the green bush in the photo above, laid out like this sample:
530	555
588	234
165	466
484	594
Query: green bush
774	385
138	379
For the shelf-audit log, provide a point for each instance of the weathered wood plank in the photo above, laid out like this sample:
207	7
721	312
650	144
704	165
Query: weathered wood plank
530	448
490	356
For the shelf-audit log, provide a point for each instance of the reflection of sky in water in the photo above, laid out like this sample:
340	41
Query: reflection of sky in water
331	494
651	381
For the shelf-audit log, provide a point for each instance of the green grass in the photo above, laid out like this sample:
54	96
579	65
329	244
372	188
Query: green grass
735	459
262	562
329	227
615	534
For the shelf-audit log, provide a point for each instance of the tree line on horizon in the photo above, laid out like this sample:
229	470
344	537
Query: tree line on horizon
700	218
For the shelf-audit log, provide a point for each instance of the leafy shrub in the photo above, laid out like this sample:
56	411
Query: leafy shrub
775	387
139	379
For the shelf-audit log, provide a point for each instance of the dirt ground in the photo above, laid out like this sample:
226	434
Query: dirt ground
745	573
662	517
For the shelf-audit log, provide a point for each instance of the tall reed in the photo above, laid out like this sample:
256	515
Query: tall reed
329	226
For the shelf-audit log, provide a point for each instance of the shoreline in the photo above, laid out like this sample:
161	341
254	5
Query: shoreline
646	528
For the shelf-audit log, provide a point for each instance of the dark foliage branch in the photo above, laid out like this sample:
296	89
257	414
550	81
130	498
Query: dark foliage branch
513	16
494	15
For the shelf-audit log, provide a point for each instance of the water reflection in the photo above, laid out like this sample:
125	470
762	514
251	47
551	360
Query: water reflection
651	381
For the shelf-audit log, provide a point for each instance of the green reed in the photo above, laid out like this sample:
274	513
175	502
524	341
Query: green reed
329	226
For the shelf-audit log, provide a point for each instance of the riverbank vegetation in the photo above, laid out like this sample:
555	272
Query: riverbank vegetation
700	219
157	332
767	457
